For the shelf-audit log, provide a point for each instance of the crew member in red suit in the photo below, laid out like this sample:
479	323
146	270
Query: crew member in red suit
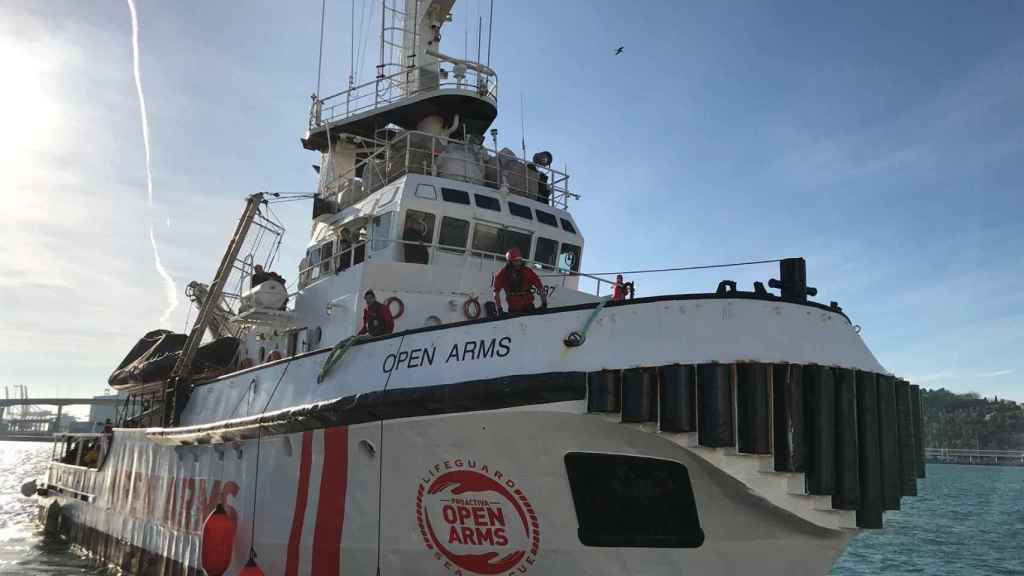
519	282
377	319
618	289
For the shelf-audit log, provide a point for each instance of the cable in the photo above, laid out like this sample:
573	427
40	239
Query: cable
705	267
259	444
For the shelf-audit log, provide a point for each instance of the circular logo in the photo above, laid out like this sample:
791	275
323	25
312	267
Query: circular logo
476	520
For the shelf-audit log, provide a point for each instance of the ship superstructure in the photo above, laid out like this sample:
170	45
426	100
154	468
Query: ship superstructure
716	433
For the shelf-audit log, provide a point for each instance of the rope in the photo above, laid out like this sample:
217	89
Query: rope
679	269
335	355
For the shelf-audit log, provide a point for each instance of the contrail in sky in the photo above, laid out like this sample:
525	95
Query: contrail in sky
170	288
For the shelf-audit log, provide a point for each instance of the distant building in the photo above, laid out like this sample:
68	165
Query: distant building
100	413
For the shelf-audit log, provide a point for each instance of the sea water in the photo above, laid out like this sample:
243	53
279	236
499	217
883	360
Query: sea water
965	520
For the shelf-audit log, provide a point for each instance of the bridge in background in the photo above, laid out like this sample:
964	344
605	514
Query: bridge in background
969	456
24	418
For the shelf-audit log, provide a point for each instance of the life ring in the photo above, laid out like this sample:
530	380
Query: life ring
274	356
471	308
245	363
401	306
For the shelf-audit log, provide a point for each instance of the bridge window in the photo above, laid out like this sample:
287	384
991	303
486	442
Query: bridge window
326	252
546	251
419	227
380	232
456	196
569	259
568	227
487	202
547	218
314	263
454	234
520	210
426	191
510	238
485	238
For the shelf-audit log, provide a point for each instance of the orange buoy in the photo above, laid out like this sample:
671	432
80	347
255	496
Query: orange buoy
251	569
471	308
218	541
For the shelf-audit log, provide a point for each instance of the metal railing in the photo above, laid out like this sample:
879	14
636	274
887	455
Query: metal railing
423	253
438	75
414	152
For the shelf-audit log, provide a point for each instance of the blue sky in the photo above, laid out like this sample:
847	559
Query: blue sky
883	142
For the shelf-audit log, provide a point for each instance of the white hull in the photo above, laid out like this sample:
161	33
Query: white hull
350	498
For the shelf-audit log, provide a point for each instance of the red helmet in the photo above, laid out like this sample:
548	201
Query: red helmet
513	255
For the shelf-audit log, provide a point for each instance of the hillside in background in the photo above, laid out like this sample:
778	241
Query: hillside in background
971	421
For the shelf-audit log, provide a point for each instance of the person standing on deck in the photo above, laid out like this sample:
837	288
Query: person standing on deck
618	289
519	282
377	319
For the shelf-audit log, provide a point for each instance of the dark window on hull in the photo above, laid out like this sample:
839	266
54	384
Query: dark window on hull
546	251
520	210
569	258
487	202
454	234
632	501
567	226
547	218
456	196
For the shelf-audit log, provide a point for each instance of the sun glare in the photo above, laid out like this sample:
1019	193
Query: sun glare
29	108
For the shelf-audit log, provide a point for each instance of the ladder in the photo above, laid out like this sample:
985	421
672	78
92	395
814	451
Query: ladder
178	385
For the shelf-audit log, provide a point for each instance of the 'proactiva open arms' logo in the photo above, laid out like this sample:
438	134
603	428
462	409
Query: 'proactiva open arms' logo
476	520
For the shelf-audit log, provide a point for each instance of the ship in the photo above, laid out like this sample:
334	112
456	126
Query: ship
596	431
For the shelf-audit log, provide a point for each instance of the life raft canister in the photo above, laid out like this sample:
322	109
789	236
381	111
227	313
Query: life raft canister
471	308
401	307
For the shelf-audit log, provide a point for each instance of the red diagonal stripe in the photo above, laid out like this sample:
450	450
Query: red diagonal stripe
301	498
330	514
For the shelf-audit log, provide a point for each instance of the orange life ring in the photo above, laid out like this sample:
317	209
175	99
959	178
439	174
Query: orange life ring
274	356
401	306
471	308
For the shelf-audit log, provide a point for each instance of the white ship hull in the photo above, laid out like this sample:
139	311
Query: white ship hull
350	470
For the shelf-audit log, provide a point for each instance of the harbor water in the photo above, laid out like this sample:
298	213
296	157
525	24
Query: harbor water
965	520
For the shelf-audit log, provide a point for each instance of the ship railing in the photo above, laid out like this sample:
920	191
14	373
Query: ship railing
413	252
412	152
470	77
74	460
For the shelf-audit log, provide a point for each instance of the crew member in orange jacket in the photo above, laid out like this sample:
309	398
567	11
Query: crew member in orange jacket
618	289
377	319
519	282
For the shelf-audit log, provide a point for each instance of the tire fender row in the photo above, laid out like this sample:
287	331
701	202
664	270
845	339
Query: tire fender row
856	436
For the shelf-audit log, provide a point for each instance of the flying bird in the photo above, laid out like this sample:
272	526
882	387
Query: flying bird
619	50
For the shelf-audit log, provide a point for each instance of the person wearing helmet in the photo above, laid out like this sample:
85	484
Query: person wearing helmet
519	283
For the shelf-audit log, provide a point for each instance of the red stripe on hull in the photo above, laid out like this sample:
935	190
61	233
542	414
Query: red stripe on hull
330	514
301	498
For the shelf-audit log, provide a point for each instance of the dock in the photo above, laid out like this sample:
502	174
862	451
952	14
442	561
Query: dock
975	457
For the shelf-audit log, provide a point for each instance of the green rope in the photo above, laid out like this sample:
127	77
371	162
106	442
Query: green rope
578	338
335	356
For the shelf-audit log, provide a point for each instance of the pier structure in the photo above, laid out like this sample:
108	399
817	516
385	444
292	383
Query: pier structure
25	418
972	456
